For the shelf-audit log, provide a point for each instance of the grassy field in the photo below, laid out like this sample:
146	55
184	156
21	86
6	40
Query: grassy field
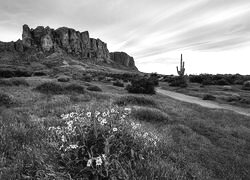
146	137
233	96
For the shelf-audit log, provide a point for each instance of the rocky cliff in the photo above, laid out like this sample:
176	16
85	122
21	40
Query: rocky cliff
46	40
123	59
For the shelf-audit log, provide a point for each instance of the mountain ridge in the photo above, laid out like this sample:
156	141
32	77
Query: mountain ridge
43	42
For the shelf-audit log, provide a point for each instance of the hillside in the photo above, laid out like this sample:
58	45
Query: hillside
45	50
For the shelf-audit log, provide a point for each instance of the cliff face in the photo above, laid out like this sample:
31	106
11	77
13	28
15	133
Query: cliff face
67	40
123	59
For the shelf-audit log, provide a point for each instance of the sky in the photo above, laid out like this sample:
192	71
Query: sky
212	35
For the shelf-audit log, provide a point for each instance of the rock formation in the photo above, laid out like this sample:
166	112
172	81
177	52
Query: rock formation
67	40
123	59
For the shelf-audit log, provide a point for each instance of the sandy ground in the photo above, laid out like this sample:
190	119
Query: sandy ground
208	104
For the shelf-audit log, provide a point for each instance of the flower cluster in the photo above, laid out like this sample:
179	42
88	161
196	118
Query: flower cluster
92	138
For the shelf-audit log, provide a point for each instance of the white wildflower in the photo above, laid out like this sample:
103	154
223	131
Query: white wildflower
98	161
99	119
104	157
73	146
89	163
97	113
115	129
104	121
71	115
145	134
104	114
64	138
128	110
88	114
69	123
112	110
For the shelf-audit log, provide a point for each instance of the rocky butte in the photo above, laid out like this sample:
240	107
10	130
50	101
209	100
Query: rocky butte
45	41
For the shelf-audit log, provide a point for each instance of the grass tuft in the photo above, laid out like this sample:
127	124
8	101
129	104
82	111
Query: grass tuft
14	82
150	115
56	88
135	100
94	88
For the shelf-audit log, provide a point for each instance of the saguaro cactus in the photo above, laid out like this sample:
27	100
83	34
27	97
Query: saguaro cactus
182	68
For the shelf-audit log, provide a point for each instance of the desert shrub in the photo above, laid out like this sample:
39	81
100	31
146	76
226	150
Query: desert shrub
154	78
222	82
207	82
8	73
14	82
19	81
63	79
87	77
39	73
134	100
141	85
118	83
178	82
102	144
74	88
208	97
6	100
150	114
195	78
246	85
50	88
56	88
94	88
245	100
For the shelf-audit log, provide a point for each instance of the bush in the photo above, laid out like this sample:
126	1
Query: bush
178	82
141	85
63	79
118	83
56	88
150	114
154	78
222	82
94	88
134	100
208	97
87	77
39	73
50	88
14	82
75	88
6	100
246	85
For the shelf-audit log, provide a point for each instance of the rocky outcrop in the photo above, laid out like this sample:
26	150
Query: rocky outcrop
48	41
123	59
67	39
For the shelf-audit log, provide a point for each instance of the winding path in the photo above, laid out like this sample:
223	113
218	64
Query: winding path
207	104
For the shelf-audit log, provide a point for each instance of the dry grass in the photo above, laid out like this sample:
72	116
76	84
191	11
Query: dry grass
199	143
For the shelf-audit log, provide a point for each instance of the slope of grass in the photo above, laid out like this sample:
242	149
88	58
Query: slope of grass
199	143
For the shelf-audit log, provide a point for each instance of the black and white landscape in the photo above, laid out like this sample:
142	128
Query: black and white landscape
124	90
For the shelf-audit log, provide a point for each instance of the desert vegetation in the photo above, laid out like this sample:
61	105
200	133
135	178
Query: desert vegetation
59	130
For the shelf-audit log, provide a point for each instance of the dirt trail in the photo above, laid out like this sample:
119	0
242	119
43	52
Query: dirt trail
208	104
